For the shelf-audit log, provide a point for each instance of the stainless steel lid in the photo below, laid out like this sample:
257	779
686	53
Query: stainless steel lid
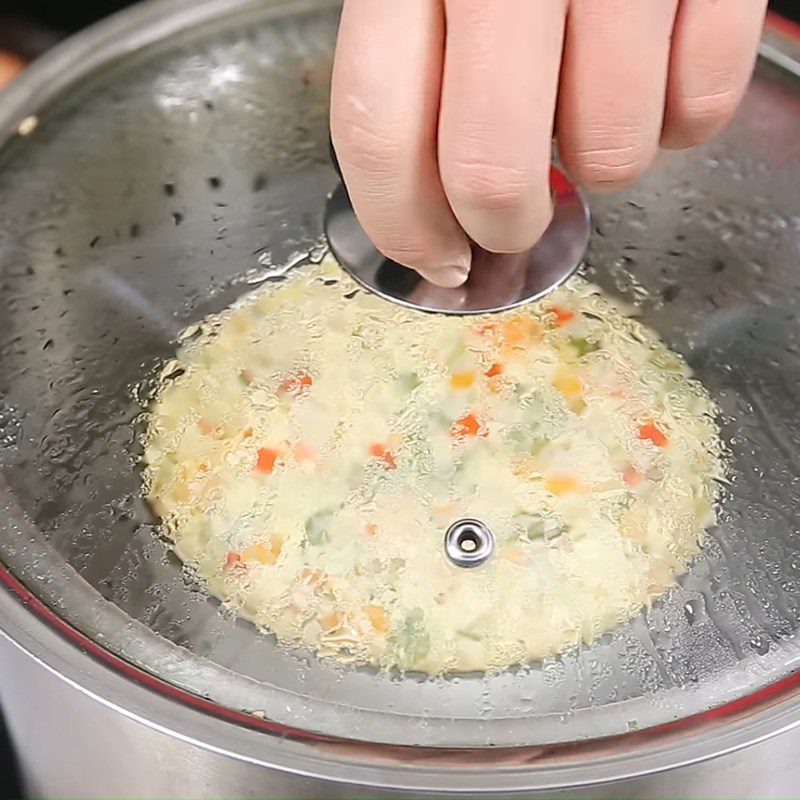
157	167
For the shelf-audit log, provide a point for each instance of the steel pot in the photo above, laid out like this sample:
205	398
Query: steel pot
153	169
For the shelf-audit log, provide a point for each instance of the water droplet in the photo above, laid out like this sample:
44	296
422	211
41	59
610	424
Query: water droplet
760	645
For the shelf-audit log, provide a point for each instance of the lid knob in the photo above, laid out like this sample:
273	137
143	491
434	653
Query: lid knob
468	543
497	281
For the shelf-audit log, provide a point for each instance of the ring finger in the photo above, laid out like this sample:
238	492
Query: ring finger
613	80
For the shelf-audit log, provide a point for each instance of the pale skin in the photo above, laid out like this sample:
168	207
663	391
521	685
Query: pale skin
444	112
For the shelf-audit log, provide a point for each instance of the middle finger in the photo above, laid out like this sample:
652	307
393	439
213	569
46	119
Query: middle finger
496	117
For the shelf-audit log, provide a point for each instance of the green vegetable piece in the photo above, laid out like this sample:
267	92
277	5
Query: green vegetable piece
583	346
408	381
537	445
474	637
535	530
532	525
664	360
458	358
410	642
520	436
525	437
317	527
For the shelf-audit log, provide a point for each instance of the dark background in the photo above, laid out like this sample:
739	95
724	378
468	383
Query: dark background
69	16
28	28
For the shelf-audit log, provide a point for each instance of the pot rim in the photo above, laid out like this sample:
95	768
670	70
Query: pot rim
99	674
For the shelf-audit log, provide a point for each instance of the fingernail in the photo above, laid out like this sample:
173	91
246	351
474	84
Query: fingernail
450	276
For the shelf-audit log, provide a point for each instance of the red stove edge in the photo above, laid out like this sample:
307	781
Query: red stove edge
783	25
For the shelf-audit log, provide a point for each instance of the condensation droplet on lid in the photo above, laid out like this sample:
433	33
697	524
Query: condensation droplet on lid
760	645
27	125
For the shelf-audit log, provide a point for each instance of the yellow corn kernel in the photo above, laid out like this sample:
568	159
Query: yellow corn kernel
331	621
462	380
560	485
263	553
519	331
377	616
568	384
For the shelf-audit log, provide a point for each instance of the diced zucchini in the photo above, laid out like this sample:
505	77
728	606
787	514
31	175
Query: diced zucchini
583	346
317	526
410	642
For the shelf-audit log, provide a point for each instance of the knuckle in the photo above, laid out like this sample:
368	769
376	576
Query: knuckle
700	114
609	167
399	243
490	187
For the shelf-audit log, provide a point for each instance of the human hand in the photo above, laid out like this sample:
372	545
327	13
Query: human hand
443	111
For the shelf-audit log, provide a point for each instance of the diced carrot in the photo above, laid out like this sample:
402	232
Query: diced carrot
265	461
631	475
372	529
312	575
494	371
462	380
444	506
467	425
378	450
377	616
303	451
232	558
295	384
206	427
247	376
264	554
518	331
560	485
247	433
649	432
515	554
332	620
257	552
562	315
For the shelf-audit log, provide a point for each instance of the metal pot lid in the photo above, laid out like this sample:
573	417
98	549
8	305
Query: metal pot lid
142	196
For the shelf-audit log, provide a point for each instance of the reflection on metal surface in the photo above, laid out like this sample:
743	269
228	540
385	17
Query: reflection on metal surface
497	281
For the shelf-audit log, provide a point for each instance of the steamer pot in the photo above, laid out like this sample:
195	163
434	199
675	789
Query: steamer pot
159	165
